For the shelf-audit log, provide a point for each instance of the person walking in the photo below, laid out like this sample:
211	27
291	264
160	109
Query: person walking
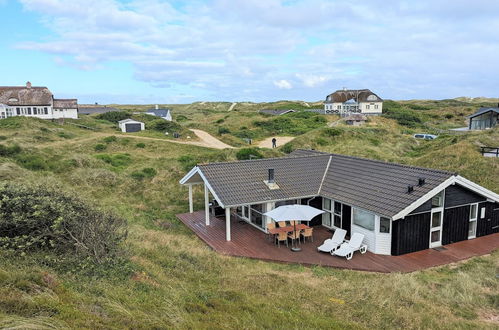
274	143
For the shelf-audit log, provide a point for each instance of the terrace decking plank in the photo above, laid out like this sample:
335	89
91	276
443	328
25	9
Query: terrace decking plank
247	241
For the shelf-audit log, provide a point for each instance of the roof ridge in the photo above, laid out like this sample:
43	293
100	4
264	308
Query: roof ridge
263	159
396	164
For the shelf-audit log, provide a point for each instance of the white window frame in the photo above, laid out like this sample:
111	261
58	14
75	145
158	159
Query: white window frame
473	220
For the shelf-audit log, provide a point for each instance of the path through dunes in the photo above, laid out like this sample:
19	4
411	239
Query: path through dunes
281	140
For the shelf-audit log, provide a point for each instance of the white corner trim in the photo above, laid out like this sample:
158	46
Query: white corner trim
325	173
193	171
423	199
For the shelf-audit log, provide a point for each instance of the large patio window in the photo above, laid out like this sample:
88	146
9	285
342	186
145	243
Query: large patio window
363	219
256	215
332	216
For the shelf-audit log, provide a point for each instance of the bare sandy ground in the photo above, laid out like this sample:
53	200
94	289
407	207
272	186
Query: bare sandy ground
281	140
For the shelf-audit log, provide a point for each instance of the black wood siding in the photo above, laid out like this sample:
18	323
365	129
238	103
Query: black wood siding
317	203
456	195
346	220
456	224
426	207
411	234
490	223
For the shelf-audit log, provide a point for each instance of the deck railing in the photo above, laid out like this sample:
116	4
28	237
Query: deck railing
490	151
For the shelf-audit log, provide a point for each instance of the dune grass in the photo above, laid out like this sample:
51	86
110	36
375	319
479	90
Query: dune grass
175	280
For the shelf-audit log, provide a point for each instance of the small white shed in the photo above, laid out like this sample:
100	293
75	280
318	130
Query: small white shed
130	125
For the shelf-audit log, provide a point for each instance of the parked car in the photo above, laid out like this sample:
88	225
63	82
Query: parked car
425	136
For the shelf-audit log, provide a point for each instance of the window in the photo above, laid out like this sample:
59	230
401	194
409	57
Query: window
384	225
482	213
326	204
18	110
326	219
363	219
29	111
473	221
367	106
473	211
46	111
375	106
438	200
337	214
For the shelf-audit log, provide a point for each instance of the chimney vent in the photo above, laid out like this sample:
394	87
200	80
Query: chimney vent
410	189
421	181
271	175
28	85
157	107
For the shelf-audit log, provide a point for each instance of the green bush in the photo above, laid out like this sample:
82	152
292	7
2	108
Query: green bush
110	139
9	151
403	117
449	115
221	120
140	145
187	162
321	141
41	218
294	123
248	153
165	126
114	116
331	132
11	122
116	160
65	135
223	130
3	138
181	118
287	148
144	173
100	147
32	162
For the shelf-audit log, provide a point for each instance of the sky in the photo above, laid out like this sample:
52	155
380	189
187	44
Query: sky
155	51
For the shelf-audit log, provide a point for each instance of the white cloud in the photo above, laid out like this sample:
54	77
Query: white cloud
229	49
283	84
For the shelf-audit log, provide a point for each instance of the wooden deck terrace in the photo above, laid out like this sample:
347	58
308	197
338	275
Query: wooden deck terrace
250	242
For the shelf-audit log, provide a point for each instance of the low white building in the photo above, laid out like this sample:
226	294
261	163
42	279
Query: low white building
351	101
36	102
130	126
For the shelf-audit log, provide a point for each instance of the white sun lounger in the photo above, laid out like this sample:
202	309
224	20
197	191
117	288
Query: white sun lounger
333	243
348	248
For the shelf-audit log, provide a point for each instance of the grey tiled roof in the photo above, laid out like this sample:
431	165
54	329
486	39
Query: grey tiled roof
158	112
482	111
237	183
375	186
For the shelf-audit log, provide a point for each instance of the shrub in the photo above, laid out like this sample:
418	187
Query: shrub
449	115
149	172
221	120
403	117
116	160
187	162
140	145
114	116
32	162
165	125
248	153
65	135
100	147
137	175
223	130
41	218
3	137
11	122
9	151
330	132
181	118
321	141
287	148
110	139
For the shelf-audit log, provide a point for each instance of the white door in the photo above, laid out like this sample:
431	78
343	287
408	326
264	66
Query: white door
436	227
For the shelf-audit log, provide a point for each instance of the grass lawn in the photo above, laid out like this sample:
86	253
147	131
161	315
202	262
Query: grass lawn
175	280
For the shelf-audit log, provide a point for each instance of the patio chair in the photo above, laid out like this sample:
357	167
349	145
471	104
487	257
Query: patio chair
307	233
270	225
333	243
281	224
349	247
283	236
294	235
292	223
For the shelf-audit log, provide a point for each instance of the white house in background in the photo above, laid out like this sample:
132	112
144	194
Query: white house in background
36	102
165	114
130	125
350	101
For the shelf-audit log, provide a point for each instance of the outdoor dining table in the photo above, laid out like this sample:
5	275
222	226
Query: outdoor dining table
287	229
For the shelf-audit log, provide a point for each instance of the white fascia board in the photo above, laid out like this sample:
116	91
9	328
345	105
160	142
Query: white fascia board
193	171
210	188
477	188
423	199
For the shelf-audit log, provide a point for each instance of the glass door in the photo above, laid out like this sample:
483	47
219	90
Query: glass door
473	219
436	227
